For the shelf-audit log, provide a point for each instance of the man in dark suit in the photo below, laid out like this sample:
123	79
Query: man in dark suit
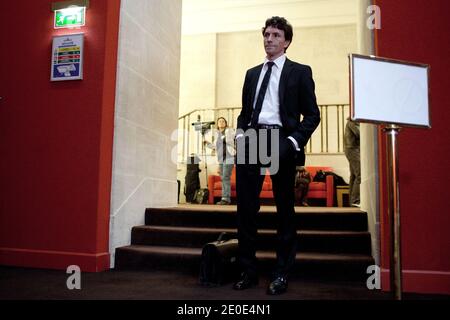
274	96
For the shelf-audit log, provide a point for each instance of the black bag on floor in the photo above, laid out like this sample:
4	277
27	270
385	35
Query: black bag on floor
219	261
201	196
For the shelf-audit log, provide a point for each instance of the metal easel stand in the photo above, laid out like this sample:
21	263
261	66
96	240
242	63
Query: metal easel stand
394	211
204	157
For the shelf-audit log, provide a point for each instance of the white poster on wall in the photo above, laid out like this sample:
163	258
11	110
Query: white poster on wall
67	57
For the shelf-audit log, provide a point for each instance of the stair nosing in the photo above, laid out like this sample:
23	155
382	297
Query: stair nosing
263	211
261	231
318	256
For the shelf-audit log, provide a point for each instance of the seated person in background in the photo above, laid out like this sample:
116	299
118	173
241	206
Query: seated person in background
225	151
302	180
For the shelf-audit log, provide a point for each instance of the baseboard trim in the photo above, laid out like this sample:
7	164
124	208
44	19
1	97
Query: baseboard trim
420	281
59	260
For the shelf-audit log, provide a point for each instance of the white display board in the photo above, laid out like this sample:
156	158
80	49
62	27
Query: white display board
389	91
67	57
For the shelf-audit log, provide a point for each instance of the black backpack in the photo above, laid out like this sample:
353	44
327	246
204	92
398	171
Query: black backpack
192	179
218	263
321	176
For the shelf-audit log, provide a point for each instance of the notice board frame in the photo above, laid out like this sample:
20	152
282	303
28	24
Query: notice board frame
74	67
407	86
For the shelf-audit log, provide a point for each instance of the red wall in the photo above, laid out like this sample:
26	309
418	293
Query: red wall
56	140
419	30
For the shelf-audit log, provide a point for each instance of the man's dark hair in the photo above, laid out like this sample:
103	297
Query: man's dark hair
282	24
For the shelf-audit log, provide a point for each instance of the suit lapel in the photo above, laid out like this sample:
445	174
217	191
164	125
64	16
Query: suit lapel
287	68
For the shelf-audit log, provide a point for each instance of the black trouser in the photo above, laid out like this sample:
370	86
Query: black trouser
353	156
249	181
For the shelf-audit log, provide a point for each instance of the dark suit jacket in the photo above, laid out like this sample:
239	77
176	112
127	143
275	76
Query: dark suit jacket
297	97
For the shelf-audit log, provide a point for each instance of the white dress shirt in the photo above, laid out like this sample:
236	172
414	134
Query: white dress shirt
270	111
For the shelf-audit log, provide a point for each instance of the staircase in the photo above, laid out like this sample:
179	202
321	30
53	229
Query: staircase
331	241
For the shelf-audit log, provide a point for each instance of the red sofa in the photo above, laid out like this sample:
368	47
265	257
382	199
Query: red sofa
321	190
317	190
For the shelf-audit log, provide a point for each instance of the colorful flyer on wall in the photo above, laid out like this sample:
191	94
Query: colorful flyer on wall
67	57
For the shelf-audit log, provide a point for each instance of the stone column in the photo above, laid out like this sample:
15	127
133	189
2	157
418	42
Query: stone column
146	114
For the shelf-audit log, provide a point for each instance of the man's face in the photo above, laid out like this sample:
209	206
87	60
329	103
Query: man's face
274	42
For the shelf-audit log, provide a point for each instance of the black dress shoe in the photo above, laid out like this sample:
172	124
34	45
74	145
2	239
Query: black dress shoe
277	286
245	282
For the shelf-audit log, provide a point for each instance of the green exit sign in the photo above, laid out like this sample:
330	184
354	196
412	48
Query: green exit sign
70	17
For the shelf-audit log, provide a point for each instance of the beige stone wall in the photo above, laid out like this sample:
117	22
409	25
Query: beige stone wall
146	113
198	72
246	15
325	49
213	68
369	144
237	52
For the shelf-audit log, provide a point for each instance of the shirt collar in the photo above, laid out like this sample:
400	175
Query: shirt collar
279	62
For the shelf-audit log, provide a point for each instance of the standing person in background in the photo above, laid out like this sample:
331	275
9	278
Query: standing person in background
224	147
275	95
352	152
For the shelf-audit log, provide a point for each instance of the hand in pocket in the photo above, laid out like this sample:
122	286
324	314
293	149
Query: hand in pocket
287	149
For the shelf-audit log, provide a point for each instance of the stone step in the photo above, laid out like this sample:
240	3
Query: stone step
213	216
184	259
329	241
